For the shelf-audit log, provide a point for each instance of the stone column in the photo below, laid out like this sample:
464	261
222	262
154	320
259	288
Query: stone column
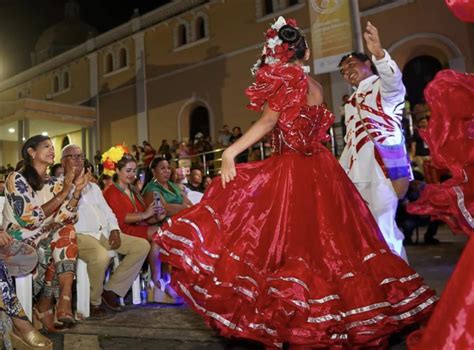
94	132
140	70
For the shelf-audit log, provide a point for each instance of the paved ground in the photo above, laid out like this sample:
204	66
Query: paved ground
178	328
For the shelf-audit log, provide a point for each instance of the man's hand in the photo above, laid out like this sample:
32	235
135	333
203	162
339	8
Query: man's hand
372	40
69	174
81	181
114	239
5	238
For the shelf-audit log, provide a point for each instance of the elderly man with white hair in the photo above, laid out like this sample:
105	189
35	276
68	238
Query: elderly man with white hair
97	233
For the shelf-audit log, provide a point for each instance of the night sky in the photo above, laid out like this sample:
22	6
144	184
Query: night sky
22	21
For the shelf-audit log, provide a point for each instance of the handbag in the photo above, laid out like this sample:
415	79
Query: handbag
19	258
395	160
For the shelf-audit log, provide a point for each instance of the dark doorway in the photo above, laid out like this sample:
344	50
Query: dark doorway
199	122
417	74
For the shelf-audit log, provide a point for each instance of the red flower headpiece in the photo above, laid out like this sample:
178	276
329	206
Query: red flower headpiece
111	157
274	50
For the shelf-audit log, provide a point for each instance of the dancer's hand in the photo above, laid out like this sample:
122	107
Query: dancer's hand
5	238
228	171
372	39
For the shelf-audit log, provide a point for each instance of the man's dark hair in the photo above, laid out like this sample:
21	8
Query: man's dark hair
361	57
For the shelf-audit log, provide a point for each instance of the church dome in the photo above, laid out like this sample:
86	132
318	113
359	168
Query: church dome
68	33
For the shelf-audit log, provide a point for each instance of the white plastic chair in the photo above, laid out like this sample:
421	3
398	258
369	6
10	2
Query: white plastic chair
83	287
24	292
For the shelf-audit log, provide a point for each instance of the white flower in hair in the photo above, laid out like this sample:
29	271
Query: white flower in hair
271	60
280	22
271	43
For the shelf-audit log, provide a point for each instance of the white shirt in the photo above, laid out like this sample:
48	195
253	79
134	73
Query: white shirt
382	100
95	216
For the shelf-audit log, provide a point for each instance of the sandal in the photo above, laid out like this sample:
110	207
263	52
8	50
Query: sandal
45	320
64	316
33	340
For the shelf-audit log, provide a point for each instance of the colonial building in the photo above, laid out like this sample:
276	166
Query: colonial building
183	68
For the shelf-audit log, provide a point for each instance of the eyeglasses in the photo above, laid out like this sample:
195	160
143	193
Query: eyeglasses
75	156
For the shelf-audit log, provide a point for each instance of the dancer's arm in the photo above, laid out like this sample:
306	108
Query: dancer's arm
259	129
390	75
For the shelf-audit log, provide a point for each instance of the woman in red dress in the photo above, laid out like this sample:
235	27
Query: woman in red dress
285	251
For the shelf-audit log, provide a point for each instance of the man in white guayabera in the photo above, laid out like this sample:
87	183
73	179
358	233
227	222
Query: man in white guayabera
373	115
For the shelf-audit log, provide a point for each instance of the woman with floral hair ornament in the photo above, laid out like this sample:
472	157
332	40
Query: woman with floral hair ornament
278	258
134	217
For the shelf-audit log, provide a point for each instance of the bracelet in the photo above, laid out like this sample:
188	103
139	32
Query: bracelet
76	198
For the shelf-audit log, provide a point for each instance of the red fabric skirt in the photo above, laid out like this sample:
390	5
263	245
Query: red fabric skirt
289	253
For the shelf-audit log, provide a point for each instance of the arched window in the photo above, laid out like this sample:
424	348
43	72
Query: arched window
65	142
109	63
123	62
199	122
268	7
182	35
66	80
200	28
55	83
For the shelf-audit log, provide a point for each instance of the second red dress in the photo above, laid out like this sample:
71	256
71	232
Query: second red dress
288	252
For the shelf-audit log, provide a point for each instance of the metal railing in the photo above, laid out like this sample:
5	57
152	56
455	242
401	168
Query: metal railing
210	161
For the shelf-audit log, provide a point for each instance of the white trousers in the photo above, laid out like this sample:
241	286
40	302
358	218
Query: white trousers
382	201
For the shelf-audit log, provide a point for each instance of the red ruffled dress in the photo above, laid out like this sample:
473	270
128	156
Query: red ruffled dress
288	252
450	136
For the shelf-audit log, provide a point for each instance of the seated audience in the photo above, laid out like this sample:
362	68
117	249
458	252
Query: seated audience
136	218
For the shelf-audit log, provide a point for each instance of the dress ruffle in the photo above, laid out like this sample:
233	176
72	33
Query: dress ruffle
283	87
269	258
450	137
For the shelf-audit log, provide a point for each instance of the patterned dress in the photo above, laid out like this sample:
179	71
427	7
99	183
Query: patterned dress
9	306
53	237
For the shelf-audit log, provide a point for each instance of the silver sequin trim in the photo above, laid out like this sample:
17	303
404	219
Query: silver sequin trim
235	257
324	300
324	318
416	310
366	322
194	226
263	327
214	216
370	256
203	291
462	206
174	237
248	278
365	309
347	275
300	303
290	279
402	280
214	315
245	292
412	296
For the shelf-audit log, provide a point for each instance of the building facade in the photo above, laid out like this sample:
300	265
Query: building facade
183	68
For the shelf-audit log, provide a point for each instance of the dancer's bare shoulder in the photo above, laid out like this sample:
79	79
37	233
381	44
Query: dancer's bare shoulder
315	92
